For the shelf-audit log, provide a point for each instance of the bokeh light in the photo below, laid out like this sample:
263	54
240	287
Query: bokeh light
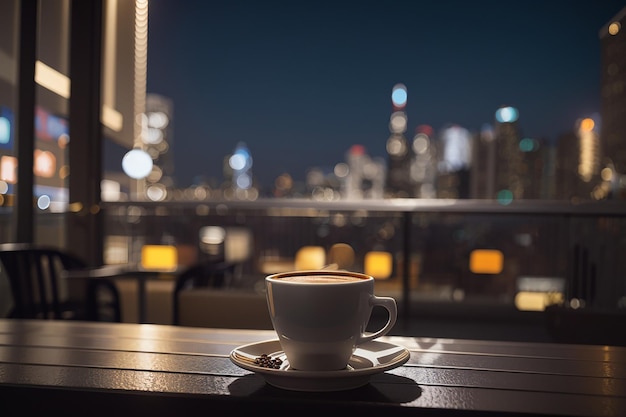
587	124
5	130
158	120
64	171
614	28
398	122
156	192
237	162
528	145
396	145
399	96
507	114
43	202
421	143
341	170
137	164
244	181
284	182
212	235
153	136
45	164
63	140
504	197
156	174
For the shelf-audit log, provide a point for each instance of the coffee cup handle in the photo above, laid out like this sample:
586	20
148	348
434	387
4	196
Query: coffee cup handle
390	305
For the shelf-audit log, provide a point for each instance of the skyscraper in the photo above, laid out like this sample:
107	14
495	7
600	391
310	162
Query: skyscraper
453	180
399	152
157	138
613	91
509	167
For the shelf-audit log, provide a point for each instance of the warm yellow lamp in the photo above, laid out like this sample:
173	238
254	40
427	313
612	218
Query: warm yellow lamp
378	264
310	257
536	301
342	255
486	261
159	257
237	244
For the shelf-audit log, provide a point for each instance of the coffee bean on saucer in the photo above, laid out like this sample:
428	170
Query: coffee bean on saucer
266	361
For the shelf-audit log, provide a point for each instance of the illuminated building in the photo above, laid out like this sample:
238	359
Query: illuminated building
537	167
399	152
424	166
360	176
453	179
509	161
613	90
157	141
356	159
578	156
533	158
238	172
483	163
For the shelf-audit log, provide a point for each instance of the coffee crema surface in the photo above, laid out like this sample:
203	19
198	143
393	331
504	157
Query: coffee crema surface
320	279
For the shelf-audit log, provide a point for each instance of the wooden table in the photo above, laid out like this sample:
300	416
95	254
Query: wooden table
81	368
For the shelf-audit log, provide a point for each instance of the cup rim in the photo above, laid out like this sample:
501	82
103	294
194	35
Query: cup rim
343	273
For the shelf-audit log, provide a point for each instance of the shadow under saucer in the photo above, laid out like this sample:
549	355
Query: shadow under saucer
385	388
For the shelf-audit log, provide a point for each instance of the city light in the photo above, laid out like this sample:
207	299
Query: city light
158	120
587	124
507	114
240	163
43	202
399	96
5	130
156	192
457	150
420	143
137	164
398	122
44	164
528	145
8	169
396	145
505	197
589	150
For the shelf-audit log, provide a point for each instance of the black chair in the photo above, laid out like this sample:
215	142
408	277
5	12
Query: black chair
205	274
39	292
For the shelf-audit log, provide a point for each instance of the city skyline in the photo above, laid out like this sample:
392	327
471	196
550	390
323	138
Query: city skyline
300	96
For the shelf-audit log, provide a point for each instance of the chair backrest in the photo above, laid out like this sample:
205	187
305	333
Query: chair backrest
34	274
206	274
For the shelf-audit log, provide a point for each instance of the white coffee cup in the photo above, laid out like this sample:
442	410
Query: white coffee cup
320	316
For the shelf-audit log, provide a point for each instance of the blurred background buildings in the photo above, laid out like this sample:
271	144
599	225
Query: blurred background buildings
417	215
495	160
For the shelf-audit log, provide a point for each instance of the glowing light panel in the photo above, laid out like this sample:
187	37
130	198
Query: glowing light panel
378	264
486	261
160	257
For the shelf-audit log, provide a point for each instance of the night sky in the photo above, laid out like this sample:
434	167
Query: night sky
300	82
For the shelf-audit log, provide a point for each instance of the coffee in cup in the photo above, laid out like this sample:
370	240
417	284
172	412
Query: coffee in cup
321	316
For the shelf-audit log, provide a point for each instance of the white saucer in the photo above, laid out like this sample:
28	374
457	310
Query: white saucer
368	359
